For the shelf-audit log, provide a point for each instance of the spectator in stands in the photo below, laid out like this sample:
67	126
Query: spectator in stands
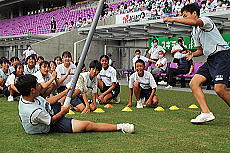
178	49
45	79
11	91
71	26
52	25
104	9
142	17
184	67
89	19
66	27
4	72
65	71
159	11
84	22
40	59
79	22
29	51
53	66
86	86
49	116
167	8
161	64
107	82
220	6
58	60
143	85
153	52
217	50
14	60
110	12
30	67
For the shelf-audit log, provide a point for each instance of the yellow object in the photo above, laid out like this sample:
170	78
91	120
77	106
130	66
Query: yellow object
108	106
159	108
126	109
70	112
193	106
99	110
174	108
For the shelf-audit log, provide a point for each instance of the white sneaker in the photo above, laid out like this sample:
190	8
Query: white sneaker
162	83
143	102
139	104
117	100
127	128
168	87
10	98
97	101
203	117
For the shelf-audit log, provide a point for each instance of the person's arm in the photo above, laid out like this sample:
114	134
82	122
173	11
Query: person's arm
107	91
87	108
130	97
60	114
176	50
54	99
191	69
198	52
148	102
46	84
61	80
186	20
153	61
14	88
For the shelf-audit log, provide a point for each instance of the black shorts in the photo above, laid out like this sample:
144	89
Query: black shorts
217	67
6	92
145	93
114	92
64	124
61	88
78	100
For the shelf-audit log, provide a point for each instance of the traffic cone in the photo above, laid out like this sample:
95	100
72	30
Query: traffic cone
159	109
108	106
193	106
99	110
126	109
174	108
70	112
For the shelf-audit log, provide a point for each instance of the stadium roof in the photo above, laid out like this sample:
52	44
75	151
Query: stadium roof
154	28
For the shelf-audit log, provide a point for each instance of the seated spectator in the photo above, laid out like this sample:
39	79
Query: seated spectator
45	79
84	23
220	6
52	25
153	52
86	86
71	26
66	27
14	60
143	85
107	82
79	22
30	67
39	115
89	19
10	90
161	64
167	9
184	67
4	72
142	17
58	60
53	66
29	51
178	49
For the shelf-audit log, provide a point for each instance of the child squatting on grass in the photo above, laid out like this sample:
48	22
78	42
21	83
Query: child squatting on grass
39	115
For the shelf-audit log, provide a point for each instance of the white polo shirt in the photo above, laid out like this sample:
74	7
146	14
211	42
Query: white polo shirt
162	61
62	70
108	76
29	52
209	37
41	78
154	51
178	55
146	81
30	71
4	75
145	59
10	80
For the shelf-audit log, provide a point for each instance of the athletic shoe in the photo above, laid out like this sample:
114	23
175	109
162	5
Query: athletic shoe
10	98
127	128
139	104
162	83
117	100
168	87
143	102
203	117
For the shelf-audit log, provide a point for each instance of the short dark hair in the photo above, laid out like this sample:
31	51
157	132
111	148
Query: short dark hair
180	41
67	53
14	58
40	57
45	63
4	60
24	84
140	61
194	7
95	64
156	40
31	56
16	67
53	63
138	50
57	58
104	56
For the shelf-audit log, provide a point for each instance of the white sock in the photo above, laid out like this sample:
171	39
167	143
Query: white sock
119	126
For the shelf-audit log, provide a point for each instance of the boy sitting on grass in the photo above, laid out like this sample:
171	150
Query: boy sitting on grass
86	85
39	115
143	85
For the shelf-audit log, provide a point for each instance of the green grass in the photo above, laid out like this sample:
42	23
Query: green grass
168	131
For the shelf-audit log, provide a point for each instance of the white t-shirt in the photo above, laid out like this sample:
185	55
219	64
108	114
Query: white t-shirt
163	61
62	70
146	81
41	78
85	84
11	69
154	51
30	71
10	80
108	76
178	55
29	52
145	59
4	75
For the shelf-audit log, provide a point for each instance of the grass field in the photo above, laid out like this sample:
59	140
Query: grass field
167	131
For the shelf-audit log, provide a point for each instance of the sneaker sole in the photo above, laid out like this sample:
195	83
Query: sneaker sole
202	122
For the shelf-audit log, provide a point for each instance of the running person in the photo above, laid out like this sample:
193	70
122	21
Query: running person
209	42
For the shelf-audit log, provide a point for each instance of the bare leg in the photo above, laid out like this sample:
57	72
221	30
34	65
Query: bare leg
84	126
107	98
220	89
100	84
80	107
195	84
137	90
